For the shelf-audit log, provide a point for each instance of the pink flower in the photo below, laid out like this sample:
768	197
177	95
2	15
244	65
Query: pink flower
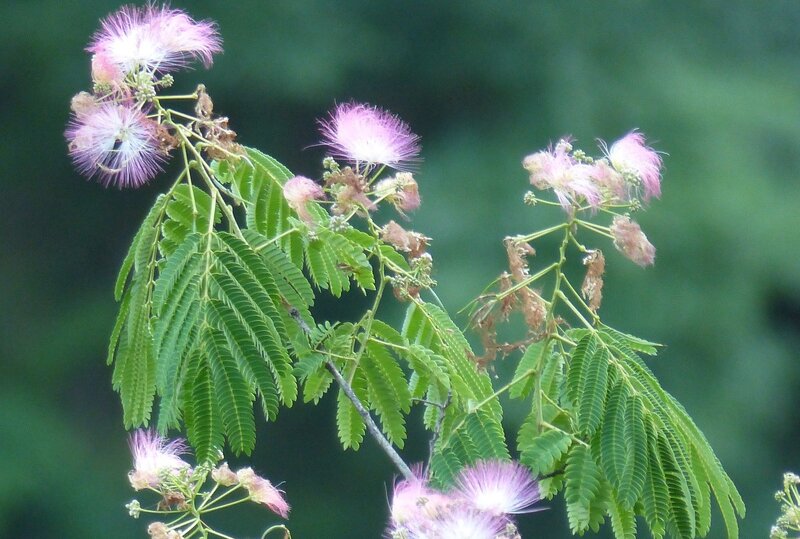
630	155
105	71
153	458
498	487
414	502
300	190
116	143
366	135
463	522
401	190
154	39
631	241
556	169
263	492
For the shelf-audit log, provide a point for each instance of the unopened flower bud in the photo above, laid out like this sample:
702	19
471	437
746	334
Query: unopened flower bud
631	241
134	508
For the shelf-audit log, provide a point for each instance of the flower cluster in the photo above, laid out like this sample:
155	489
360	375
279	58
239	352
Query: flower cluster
158	467
111	135
628	175
789	497
630	171
479	506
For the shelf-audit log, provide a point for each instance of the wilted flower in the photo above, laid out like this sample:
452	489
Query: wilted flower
300	190
498	487
154	457
630	155
631	241
556	169
401	190
263	492
224	475
366	135
153	39
116	143
410	242
159	530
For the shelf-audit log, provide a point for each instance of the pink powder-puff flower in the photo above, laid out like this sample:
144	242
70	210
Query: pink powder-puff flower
414	502
366	135
630	155
153	458
556	169
154	39
463	522
116	143
298	192
498	487
631	241
104	71
263	492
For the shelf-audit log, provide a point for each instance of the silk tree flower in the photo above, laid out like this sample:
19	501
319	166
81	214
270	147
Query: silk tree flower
116	143
631	241
498	487
153	458
414	502
464	522
298	192
366	135
154	39
263	492
401	190
555	169
630	155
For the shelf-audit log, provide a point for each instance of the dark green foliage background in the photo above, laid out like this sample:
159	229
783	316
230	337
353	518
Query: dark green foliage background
715	84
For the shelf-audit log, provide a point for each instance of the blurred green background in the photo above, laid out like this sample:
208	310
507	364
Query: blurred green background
716	85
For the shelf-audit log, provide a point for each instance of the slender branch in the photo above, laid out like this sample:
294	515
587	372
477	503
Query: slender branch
371	426
437	429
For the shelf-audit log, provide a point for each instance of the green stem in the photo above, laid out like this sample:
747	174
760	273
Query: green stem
279	527
528	280
582	303
541	233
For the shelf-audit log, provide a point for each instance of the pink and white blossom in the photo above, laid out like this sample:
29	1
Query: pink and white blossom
571	181
630	155
154	39
498	487
263	492
413	502
464	522
153	458
366	135
631	241
298	192
116	143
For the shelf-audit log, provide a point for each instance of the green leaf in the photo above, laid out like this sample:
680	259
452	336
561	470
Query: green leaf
388	392
204	427
247	288
623	520
232	393
149	224
533	356
613	449
611	335
592	391
585	348
636	467
583	482
349	423
188	210
540	451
